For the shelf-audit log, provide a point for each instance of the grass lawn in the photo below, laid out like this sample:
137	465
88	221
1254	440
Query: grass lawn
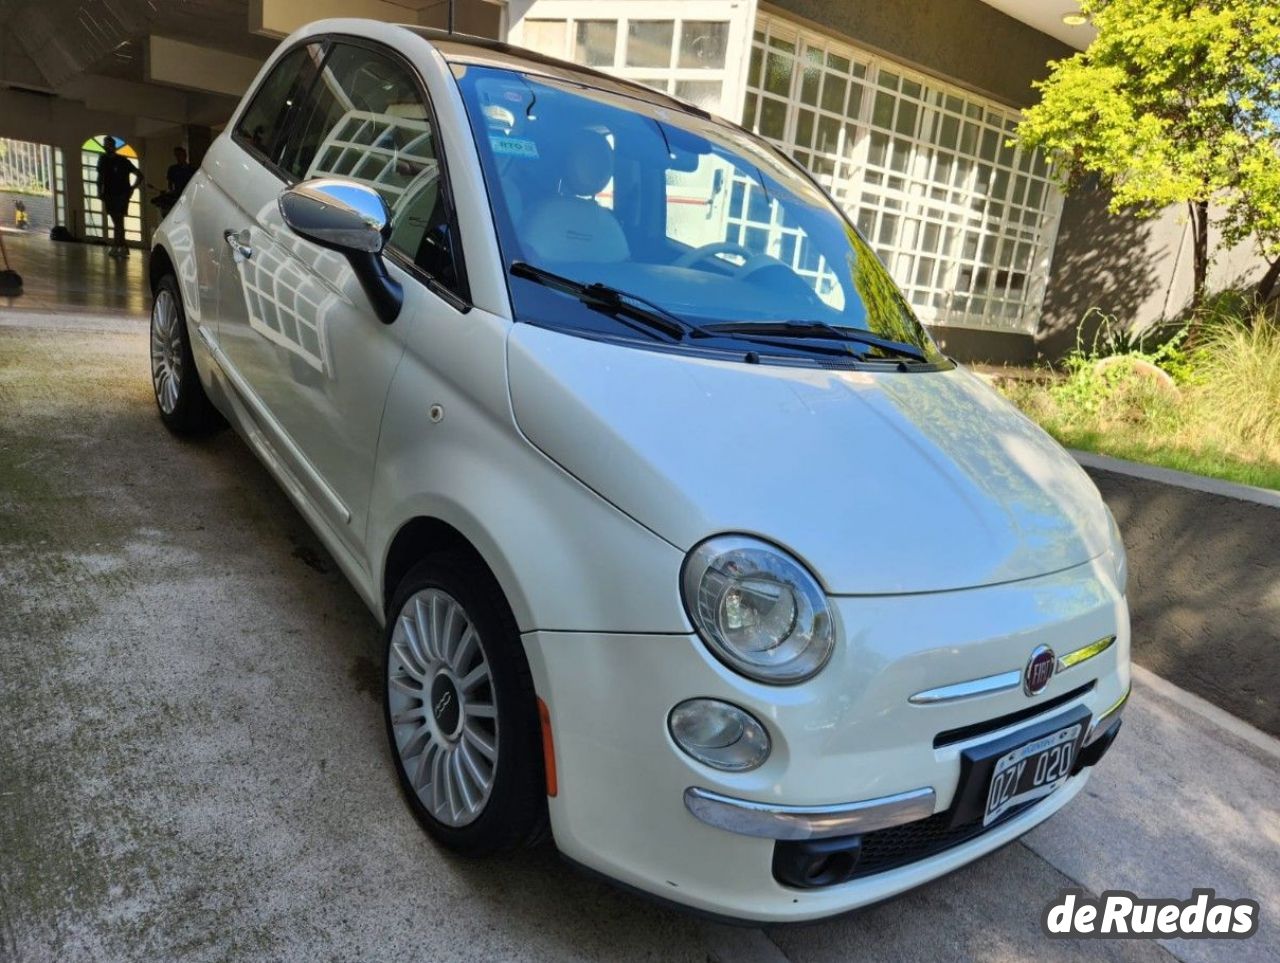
1211	408
1207	461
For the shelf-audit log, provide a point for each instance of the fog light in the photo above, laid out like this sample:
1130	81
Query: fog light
719	734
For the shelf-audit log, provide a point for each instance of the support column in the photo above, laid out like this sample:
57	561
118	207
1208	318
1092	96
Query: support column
75	186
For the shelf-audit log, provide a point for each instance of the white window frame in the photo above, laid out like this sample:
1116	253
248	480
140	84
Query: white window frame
990	225
738	14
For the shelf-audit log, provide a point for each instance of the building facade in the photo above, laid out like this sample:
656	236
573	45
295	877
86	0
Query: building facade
902	109
965	221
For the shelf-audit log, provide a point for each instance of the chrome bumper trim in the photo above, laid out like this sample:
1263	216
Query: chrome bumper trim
771	821
1004	681
1085	653
1105	716
987	685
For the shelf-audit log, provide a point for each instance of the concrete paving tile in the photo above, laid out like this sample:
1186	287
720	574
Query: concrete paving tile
194	764
1178	803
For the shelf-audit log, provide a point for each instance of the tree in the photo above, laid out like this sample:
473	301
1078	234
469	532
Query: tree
1174	102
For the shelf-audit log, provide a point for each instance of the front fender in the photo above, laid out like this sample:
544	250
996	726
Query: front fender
566	559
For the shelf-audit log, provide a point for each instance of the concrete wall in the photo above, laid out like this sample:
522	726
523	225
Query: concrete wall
1204	590
1140	270
964	42
983	346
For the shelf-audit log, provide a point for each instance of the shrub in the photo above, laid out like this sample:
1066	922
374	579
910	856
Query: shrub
1207	399
1238	383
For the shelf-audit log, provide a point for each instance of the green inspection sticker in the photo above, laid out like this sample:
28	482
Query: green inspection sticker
514	147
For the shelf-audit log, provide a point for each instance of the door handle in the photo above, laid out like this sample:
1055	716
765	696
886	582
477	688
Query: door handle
238	241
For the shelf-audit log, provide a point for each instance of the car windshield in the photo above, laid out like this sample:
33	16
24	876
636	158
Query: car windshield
695	217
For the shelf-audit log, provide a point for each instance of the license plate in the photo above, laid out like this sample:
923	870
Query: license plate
1031	771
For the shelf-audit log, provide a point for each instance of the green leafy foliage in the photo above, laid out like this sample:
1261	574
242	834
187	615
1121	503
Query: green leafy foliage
1175	102
878	292
1211	407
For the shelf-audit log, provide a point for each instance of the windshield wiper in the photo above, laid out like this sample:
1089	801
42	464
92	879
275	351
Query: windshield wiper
611	301
816	329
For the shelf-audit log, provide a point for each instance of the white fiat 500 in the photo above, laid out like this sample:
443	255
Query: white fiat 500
691	547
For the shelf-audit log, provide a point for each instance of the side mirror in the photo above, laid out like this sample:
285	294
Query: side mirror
355	221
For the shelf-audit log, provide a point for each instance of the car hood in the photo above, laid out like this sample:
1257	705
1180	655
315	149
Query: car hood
885	482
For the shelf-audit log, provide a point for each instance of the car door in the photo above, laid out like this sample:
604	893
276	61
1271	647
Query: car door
295	325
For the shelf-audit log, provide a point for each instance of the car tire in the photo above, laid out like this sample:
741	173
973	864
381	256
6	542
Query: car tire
184	407
460	710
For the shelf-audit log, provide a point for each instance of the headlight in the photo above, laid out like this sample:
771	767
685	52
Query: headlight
1118	554
758	609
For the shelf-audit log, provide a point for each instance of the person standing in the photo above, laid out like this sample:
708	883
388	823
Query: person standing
117	180
180	172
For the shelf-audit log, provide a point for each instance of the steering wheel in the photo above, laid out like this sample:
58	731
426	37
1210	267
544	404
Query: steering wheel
711	250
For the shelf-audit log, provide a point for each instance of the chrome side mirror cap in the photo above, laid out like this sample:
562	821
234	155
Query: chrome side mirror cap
354	220
337	214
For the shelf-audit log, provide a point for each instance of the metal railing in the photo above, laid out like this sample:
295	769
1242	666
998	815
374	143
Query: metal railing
26	167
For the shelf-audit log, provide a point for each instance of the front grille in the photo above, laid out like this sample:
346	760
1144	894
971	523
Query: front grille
887	849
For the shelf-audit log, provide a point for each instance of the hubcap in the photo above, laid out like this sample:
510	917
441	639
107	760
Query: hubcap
166	351
443	715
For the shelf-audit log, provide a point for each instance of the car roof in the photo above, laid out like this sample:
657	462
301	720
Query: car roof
457	48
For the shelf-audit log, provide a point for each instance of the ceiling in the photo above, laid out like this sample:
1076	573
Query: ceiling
1046	16
49	42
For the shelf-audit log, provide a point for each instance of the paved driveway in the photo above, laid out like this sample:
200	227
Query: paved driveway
193	764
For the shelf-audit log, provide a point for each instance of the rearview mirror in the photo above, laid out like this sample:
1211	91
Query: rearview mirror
355	221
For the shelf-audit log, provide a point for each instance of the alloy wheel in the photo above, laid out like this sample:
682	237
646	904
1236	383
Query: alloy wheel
443	713
166	351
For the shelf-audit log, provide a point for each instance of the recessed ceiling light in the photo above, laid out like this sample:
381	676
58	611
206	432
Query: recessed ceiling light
1075	18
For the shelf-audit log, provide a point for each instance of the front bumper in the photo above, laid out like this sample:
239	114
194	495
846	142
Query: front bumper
850	753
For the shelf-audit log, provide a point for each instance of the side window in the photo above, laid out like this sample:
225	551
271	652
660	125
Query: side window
365	121
278	101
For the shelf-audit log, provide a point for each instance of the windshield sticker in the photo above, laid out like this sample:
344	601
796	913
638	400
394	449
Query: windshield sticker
514	147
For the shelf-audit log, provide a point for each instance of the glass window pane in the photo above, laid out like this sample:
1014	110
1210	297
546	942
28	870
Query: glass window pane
906	118
990	143
804	128
773	118
879	147
703	43
595	42
701	93
833	93
757	61
777	75
649	43
855	101
546	36
828	134
883	115
901	156
810	80
278	100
